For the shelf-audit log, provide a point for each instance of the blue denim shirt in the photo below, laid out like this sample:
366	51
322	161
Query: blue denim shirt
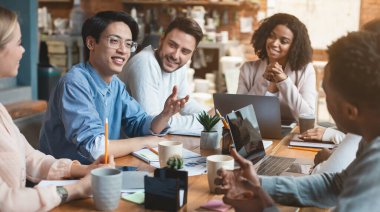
74	122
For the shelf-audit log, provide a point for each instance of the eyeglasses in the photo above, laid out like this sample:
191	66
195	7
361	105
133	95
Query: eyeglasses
115	42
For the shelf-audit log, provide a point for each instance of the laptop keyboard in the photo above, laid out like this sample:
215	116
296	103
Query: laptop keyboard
274	166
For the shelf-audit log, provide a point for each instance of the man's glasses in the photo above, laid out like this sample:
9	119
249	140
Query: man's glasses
115	42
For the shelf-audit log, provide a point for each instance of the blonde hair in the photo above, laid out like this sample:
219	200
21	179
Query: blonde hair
8	22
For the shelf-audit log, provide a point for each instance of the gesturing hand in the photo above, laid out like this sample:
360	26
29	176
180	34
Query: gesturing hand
242	187
227	180
172	104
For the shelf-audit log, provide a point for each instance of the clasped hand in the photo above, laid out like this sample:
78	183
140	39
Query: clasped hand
274	73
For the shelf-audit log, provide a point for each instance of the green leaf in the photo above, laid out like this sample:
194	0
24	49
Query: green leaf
207	121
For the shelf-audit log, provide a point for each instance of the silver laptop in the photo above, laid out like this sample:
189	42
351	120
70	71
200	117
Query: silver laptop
267	111
248	142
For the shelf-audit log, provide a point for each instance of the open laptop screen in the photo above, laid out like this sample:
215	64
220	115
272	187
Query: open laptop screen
246	133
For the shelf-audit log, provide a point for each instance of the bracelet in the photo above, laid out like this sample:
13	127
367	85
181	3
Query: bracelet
63	194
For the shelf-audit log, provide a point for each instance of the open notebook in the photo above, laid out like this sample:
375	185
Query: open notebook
148	156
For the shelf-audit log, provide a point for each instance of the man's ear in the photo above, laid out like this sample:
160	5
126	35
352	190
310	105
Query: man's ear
90	42
351	111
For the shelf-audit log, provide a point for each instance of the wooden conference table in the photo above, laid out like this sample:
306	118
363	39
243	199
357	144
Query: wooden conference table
198	193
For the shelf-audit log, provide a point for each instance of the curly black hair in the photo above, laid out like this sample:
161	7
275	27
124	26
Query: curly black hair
354	68
300	52
372	26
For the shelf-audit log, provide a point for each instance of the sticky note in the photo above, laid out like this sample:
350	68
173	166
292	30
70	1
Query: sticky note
137	197
216	205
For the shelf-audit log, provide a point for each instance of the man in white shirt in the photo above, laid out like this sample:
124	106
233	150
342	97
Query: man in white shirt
151	74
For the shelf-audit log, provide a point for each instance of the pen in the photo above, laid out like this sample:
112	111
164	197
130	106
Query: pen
106	141
153	150
223	120
305	148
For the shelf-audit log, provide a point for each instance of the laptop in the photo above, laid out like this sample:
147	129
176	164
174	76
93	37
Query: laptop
248	142
267	111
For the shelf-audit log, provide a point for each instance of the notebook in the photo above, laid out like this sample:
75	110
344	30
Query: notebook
296	141
249	144
267	112
148	156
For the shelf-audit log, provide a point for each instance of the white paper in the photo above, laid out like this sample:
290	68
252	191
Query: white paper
194	166
267	143
196	133
148	156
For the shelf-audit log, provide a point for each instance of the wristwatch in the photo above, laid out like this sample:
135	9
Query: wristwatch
62	192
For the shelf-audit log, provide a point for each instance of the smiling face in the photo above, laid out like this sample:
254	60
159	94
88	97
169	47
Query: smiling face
106	59
175	50
278	44
11	54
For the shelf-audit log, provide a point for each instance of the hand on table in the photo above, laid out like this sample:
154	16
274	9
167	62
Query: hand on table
82	188
100	163
313	134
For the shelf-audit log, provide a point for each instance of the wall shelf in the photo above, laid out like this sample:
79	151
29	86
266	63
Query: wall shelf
183	3
53	1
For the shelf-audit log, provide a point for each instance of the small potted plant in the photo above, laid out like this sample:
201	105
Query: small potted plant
175	162
209	136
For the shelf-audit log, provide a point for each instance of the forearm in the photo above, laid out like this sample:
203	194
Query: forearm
122	147
314	190
78	170
159	123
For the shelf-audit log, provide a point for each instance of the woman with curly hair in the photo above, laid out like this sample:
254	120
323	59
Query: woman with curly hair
284	68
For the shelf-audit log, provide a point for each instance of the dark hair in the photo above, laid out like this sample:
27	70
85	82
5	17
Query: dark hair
95	25
300	52
372	26
187	25
354	68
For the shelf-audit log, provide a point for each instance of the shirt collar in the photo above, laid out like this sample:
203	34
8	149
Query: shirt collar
102	86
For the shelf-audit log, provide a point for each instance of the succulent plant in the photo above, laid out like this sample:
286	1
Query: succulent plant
207	121
175	162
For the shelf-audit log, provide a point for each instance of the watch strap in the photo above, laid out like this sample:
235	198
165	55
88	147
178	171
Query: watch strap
62	192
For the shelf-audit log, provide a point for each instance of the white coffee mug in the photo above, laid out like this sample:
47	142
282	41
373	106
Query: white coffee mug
215	162
167	149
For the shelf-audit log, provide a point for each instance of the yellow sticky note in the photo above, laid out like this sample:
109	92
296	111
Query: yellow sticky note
137	197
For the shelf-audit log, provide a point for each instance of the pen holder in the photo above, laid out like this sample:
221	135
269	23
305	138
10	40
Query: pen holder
167	190
226	141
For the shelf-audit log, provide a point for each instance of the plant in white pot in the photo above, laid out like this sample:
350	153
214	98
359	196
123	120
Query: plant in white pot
209	136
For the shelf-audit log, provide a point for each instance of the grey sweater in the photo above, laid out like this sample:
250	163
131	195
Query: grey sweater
357	188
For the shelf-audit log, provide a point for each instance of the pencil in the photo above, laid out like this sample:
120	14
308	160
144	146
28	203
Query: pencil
223	120
305	148
153	150
106	141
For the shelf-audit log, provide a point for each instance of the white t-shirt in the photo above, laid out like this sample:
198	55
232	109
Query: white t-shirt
151	86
